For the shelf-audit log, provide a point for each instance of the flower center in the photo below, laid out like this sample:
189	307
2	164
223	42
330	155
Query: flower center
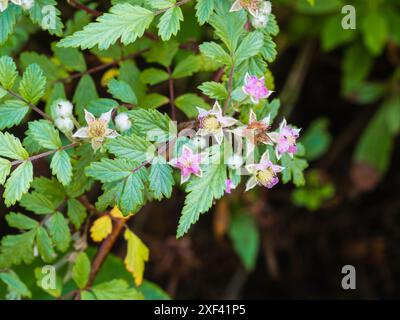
250	4
265	177
291	140
211	123
97	129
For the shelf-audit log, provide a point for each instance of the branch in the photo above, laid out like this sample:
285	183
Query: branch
45	154
178	4
230	83
81	6
171	94
32	106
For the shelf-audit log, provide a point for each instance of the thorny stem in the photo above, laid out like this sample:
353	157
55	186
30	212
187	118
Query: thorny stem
45	154
171	94
31	105
102	66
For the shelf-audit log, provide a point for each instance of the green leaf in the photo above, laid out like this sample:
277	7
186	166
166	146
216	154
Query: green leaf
268	50
81	270
170	23
153	101
18	183
76	212
293	170
249	47
122	91
59	231
85	92
204	11
61	167
11	147
161	179
33	84
8	19
14	284
188	103
214	90
45	134
8	71
153	76
124	22
131	198
215	52
333	34
316	139
375	32
131	147
201	194
72	58
39	203
46	15
162	52
52	70
5	168
12	112
186	67
18	248
45	245
116	289
110	170
272	25
153	125
244	234
44	281
21	221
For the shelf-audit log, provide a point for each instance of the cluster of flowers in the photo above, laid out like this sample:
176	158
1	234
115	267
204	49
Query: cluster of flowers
259	10
25	4
214	123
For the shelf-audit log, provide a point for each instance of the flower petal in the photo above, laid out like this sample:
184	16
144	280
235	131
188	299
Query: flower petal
236	6
111	134
252	116
251	183
89	117
265	157
106	117
81	133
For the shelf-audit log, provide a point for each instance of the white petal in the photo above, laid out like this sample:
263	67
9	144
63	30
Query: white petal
217	109
219	136
254	13
252	116
265	157
283	124
277	154
81	133
203	132
106	117
89	117
251	168
227	121
274	136
111	134
246	78
184	179
269	93
202	112
254	100
236	6
251	183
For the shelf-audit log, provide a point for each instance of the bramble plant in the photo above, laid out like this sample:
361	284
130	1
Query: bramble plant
120	140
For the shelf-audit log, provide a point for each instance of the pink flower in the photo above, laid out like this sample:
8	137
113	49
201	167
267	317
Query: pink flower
255	88
213	122
229	186
188	163
285	139
263	173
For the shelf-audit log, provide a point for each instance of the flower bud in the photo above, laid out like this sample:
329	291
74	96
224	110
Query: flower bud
122	122
64	124
64	109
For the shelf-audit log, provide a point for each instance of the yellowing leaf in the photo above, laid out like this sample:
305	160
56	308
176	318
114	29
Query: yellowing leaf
137	254
108	75
116	213
101	228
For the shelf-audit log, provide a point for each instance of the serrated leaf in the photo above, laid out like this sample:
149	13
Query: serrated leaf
45	282
153	101
110	170
161	179
170	23
136	256
131	147
85	93
59	231
293	170
14	284
186	67
124	21
76	212
72	58
8	20
189	102
122	91
11	147
153	76
116	289
204	10
45	245
215	52
61	167
201	194
249	47
268	50
45	134
101	228
18	248
12	112
45	14
132	198
21	221
81	270
214	90
18	183
33	84
39	203
8	72
5	168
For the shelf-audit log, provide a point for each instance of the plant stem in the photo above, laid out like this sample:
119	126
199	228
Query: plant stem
178	4
45	154
79	5
230	83
32	106
171	94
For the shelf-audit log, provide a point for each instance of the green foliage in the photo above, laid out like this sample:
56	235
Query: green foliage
81	270
32	84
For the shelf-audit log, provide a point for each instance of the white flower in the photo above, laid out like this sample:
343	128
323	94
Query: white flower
97	130
250	5
4	4
213	122
64	124
235	162
64	109
27	4
122	122
260	20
